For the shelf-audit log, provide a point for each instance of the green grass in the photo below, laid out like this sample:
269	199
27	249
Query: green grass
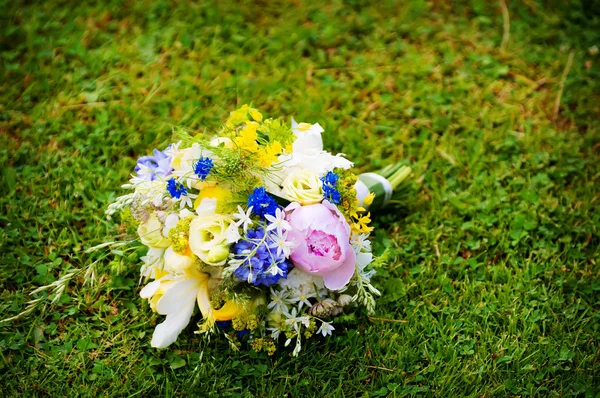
493	286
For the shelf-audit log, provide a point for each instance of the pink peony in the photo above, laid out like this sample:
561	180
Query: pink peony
321	238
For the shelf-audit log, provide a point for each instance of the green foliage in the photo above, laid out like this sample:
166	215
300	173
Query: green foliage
492	287
278	130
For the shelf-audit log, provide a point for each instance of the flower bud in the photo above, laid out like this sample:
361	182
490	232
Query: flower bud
325	309
344	300
217	254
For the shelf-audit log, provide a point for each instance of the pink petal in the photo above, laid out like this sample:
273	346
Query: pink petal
339	277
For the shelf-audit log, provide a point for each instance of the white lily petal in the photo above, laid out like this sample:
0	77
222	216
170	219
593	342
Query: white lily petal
178	296
167	332
149	290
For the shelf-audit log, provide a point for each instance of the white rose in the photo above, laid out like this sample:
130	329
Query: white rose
150	233
303	186
210	237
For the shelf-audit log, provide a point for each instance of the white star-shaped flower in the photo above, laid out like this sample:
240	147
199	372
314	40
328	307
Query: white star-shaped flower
275	270
243	218
274	333
186	201
303	297
278	221
279	241
325	329
279	301
361	242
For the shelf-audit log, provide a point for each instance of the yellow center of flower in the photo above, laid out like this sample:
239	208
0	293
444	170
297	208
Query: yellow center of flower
303	126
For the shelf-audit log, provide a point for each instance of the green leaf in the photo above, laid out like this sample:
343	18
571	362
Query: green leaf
565	354
177	362
382	392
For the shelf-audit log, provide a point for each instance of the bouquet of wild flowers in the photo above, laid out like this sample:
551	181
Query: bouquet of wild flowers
258	227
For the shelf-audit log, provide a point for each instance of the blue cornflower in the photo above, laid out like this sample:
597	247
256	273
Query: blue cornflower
262	203
256	269
202	167
156	166
176	189
330	192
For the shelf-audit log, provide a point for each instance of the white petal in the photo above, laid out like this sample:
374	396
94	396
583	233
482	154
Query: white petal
167	332
170	223
176	261
178	296
149	290
363	259
207	206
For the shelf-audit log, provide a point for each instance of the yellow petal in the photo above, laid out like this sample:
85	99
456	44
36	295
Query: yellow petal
225	313
203	299
229	311
256	115
216	192
303	126
159	273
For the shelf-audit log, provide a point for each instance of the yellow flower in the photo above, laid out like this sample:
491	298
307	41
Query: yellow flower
175	297
159	273
150	233
215	192
368	200
178	262
227	312
240	116
176	161
303	186
256	115
268	155
210	237
303	126
361	224
247	138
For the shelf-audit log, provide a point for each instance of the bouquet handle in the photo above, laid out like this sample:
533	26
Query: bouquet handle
383	184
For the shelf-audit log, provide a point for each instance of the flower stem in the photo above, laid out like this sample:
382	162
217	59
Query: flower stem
399	176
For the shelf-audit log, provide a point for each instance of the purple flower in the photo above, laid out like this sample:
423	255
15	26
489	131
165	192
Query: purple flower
155	166
258	260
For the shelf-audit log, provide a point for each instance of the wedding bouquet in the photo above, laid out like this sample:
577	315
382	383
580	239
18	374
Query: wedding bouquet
259	227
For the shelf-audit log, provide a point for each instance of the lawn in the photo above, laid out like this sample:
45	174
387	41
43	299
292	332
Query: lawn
493	283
